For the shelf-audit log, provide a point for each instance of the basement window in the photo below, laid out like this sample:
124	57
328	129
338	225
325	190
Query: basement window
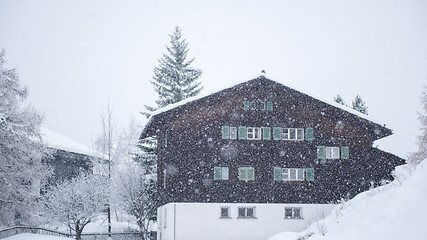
225	212
246	212
293	213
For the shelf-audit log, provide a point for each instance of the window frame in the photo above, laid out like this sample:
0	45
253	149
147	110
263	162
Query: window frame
298	173
222	176
233	133
228	212
292	134
245	213
294	212
332	153
254	132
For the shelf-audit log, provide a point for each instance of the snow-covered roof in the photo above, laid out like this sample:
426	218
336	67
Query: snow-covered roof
58	141
191	99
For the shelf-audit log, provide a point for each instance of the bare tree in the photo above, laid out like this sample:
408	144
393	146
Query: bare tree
137	189
76	202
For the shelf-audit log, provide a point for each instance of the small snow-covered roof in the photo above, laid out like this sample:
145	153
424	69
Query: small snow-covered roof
58	141
191	99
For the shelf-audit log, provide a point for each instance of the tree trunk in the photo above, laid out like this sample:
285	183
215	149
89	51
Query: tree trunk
78	232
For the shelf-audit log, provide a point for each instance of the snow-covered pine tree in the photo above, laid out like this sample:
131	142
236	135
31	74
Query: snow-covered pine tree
76	202
21	151
359	105
339	100
174	80
416	157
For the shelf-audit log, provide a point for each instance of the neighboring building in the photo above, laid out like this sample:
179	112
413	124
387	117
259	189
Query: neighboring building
68	157
260	158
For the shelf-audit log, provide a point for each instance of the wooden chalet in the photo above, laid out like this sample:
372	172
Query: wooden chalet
262	142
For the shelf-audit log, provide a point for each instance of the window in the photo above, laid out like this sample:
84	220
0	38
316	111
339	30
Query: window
220	173
261	105
257	105
293	174
225	212
332	152
253	133
228	132
252	105
293	134
233	132
293	212
246	173
246	212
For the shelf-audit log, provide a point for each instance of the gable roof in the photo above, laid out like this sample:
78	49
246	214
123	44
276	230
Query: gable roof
182	103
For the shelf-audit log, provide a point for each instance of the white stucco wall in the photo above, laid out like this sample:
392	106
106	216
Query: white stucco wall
195	221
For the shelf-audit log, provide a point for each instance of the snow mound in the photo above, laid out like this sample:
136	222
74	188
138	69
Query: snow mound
391	212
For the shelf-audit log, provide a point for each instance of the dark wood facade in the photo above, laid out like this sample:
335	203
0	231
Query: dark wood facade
190	145
67	165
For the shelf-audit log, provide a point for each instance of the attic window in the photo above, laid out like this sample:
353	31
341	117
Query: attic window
258	104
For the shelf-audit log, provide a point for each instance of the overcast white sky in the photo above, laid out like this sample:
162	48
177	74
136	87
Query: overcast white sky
75	56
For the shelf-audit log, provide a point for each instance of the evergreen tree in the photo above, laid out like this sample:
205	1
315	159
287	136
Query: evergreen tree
21	151
339	100
359	105
174	80
421	154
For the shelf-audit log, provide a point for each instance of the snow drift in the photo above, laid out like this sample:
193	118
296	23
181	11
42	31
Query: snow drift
394	211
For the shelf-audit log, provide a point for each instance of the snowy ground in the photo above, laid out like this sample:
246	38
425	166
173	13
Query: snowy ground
392	212
30	236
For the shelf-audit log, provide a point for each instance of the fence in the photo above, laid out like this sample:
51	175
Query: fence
4	233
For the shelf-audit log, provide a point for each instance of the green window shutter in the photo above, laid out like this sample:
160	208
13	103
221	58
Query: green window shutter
242	132
269	106
225	132
246	105
266	133
309	136
217	173
250	173
344	153
277	133
242	173
309	174
321	153
277	174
